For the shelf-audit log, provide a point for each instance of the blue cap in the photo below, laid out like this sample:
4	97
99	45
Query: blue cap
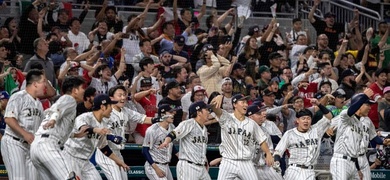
163	108
357	97
253	109
102	99
4	95
239	97
196	106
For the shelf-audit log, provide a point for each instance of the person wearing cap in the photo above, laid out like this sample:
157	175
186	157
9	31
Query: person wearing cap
258	114
157	160
192	134
237	76
384	124
198	93
377	87
348	82
4	97
239	140
177	49
92	132
73	63
328	26
214	69
172	95
120	117
45	151
227	93
274	60
339	102
344	163
303	143
23	115
165	67
269	103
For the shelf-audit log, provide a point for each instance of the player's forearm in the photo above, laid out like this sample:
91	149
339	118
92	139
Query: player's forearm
14	125
264	147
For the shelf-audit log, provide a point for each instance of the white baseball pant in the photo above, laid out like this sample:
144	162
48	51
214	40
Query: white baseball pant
110	169
188	171
16	157
294	173
364	168
82	167
233	169
342	169
268	173
151	173
47	157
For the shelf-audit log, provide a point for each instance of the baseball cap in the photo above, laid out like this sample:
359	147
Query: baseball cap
357	97
339	93
179	40
386	89
253	109
199	88
207	47
163	53
379	71
348	72
239	97
304	112
196	106
263	68
329	14
226	80
146	82
102	99
310	47
172	84
252	30
274	55
165	108
238	66
4	95
319	95
267	92
323	82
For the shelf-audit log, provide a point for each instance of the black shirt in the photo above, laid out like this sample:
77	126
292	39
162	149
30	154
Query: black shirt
80	109
174	104
332	33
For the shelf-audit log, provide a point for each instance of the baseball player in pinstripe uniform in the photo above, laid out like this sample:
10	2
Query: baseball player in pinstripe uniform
192	133
157	165
344	163
78	151
240	136
263	172
303	143
23	115
55	130
120	116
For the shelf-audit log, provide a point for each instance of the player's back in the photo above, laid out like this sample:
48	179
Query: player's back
64	110
26	110
84	147
349	134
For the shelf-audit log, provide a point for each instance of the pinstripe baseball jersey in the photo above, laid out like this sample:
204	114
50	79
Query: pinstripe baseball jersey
64	112
118	123
304	148
271	128
239	137
193	141
84	147
259	155
154	137
368	134
26	110
349	132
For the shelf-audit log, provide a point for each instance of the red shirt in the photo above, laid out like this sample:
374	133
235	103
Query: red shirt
373	114
149	104
308	93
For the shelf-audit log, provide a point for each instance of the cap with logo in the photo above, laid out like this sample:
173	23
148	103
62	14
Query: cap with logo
253	109
263	68
180	40
4	95
199	88
239	97
226	80
146	82
267	92
102	99
197	106
163	108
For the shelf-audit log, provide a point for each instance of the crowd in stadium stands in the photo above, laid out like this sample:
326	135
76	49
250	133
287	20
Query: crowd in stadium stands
177	63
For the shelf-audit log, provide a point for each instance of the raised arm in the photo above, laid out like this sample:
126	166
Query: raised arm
122	65
223	17
202	11
101	15
342	49
313	10
175	15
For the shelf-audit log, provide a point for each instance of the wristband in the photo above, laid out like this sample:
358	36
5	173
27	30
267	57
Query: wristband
323	109
106	151
90	130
